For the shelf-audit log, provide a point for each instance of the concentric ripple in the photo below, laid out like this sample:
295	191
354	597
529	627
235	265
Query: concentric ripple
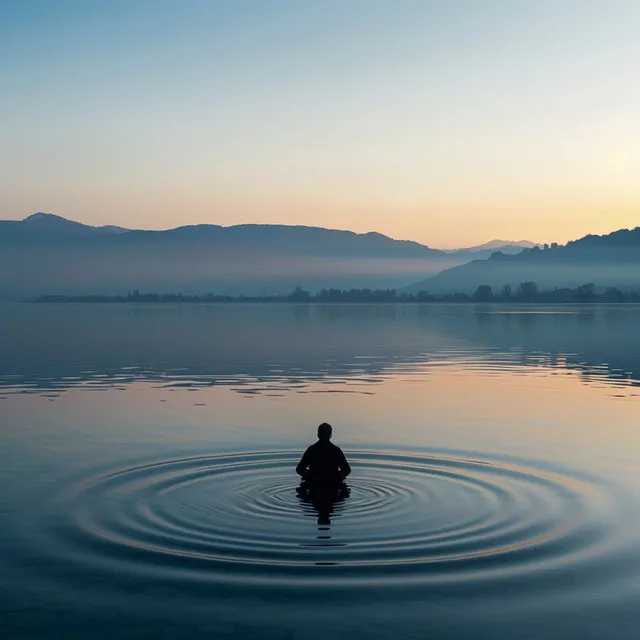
402	517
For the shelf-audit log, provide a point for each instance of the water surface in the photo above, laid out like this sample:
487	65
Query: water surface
148	486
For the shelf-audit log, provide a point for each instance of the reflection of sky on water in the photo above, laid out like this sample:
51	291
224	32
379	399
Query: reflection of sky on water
488	477
269	349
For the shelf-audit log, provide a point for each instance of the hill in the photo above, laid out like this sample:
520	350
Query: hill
48	254
47	226
607	260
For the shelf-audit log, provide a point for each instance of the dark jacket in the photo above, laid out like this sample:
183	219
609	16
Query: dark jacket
323	462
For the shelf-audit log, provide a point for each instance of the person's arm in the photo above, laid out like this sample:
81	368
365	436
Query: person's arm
302	468
345	467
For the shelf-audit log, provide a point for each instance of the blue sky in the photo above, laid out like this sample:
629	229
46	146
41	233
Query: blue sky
445	122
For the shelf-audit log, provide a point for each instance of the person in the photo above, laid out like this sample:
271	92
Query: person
323	463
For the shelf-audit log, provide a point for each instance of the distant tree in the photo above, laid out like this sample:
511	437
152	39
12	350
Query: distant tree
563	294
527	291
613	293
483	293
299	294
586	291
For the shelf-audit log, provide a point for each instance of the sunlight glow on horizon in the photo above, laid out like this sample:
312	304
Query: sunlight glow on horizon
445	123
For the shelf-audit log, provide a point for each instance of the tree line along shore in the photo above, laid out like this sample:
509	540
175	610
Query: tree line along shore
524	292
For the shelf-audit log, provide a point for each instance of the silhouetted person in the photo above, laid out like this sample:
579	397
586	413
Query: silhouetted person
323	468
323	463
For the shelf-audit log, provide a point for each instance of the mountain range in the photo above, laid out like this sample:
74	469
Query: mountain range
48	254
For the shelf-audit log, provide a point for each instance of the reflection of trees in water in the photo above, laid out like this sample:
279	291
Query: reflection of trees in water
62	346
596	340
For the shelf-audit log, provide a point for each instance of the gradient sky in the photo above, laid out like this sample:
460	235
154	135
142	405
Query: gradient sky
449	122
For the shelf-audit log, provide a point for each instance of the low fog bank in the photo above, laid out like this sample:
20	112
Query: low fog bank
195	270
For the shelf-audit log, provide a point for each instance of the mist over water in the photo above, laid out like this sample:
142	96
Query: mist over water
148	486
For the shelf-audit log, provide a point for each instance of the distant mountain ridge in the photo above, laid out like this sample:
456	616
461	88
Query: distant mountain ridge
47	254
606	260
52	224
500	245
54	227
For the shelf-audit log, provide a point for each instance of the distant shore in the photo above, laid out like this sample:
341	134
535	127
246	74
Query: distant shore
526	292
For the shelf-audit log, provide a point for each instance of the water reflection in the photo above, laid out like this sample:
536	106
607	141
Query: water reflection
323	499
269	348
483	487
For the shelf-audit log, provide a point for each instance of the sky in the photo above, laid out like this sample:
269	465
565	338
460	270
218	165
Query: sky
449	123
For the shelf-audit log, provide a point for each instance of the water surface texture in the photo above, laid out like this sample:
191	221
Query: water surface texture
148	486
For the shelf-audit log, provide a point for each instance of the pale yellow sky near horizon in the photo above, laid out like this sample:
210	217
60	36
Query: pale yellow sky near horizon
450	124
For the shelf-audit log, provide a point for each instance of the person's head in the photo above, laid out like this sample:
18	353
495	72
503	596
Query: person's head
324	431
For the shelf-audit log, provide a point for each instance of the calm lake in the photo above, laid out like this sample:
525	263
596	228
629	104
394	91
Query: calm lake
147	483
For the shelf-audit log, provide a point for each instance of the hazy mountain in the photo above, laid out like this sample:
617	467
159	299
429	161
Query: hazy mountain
506	246
607	260
465	255
47	226
111	228
45	253
483	251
